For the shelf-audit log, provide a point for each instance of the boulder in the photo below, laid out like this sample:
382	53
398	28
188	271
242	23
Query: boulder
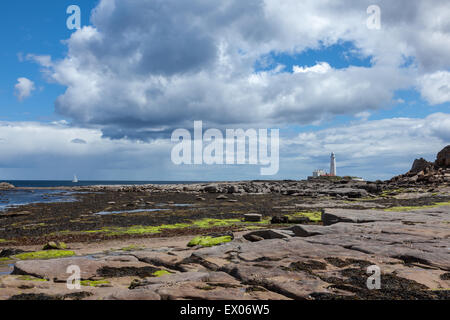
6	186
424	172
212	188
420	165
371	187
253	238
299	220
345	192
307	230
253	217
279	220
443	158
265	234
350	192
233	189
10	252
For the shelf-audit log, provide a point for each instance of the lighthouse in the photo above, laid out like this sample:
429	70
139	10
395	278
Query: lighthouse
333	165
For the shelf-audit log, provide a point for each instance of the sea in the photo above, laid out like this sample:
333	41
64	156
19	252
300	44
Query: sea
34	194
58	183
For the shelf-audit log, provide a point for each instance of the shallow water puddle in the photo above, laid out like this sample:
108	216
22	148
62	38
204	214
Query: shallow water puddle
106	213
175	205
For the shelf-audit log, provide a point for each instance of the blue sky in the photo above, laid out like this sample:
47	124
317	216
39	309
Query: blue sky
138	70
340	55
37	27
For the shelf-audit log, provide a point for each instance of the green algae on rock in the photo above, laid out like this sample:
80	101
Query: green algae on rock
52	245
209	223
208	241
137	230
161	273
96	283
30	278
44	255
315	216
409	208
132	248
205	223
5	259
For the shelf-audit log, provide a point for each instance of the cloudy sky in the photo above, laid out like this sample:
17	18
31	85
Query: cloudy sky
103	101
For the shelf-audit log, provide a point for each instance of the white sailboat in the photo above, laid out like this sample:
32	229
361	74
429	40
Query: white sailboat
75	179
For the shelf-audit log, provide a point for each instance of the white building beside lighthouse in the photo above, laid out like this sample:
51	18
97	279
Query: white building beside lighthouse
321	173
318	173
333	165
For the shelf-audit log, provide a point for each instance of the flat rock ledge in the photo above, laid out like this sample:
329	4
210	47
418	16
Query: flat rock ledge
327	261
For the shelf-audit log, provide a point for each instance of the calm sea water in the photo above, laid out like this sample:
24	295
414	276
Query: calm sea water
13	198
57	183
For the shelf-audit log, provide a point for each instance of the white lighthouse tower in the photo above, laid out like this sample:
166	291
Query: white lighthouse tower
333	165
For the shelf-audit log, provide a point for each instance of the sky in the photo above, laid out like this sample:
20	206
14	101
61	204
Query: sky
103	101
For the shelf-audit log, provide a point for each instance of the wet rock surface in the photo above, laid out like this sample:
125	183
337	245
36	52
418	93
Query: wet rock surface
328	261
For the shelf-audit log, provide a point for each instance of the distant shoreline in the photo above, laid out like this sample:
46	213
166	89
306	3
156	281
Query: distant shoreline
64	185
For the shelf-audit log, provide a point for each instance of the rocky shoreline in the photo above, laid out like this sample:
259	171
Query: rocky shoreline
326	261
251	240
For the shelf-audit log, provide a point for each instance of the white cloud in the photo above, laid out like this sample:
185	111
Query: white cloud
44	60
321	67
435	87
24	88
363	115
161	64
